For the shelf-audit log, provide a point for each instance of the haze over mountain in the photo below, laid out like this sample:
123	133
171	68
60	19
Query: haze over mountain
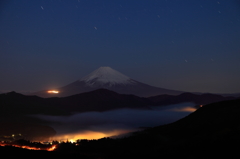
13	103
108	78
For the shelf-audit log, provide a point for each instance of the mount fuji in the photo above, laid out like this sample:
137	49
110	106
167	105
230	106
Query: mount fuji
107	78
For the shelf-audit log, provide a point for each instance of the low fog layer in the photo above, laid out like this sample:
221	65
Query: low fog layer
93	125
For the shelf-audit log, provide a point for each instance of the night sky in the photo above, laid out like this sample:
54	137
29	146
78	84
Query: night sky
188	45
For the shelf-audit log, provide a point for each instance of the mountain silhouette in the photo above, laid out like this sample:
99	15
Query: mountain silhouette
198	99
97	100
107	78
212	130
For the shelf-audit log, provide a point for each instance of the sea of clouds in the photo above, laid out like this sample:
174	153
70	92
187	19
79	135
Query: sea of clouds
93	125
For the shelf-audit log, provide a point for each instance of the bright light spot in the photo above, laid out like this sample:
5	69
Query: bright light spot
88	135
53	91
185	109
85	135
29	147
52	148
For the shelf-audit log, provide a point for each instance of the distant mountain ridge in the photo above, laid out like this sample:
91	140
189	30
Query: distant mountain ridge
97	100
16	108
200	99
108	78
212	131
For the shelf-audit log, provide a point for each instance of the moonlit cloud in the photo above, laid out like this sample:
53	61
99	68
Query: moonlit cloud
115	122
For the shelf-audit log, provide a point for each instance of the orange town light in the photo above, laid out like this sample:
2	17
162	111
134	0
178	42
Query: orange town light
53	91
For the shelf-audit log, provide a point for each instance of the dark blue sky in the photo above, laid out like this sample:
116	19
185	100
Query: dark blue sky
190	45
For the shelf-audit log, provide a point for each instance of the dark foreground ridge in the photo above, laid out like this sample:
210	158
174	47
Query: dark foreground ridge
213	131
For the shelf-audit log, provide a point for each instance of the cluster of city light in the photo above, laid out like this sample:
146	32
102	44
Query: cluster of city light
89	135
53	91
52	148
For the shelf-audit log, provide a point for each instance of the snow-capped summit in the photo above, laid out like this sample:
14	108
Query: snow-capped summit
106	76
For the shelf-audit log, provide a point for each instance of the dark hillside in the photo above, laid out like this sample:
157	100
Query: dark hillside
212	131
13	103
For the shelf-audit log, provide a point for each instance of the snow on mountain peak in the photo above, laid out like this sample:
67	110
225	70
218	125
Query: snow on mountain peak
106	75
